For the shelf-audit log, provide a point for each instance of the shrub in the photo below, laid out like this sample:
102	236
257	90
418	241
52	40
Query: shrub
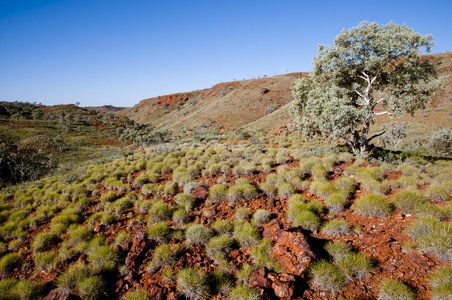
260	216
272	179
241	214
355	264
286	190
441	142
346	183
327	276
438	192
374	186
185	201
163	255
218	193
262	255
337	250
219	246
26	289
159	211
372	205
122	237
406	182
336	227
193	283
319	171
91	287
307	220
322	188
246	234
269	190
197	234
169	188
336	201
8	262
438	242
46	261
241	292
392	289
346	157
6	288
223	226
244	274
43	240
409	201
158	232
180	216
136	294
441	283
69	279
103	258
148	189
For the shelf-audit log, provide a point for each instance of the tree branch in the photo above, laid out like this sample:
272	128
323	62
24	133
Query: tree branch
373	106
376	135
359	93
382	113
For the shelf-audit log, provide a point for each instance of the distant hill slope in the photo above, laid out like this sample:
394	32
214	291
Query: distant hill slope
105	108
261	104
231	104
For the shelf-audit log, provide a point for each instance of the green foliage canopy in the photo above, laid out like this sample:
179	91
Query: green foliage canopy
370	70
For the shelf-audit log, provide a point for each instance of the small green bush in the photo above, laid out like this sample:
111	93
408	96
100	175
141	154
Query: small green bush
46	261
163	255
246	234
242	214
260	216
241	292
219	247
91	287
7	287
158	232
286	190
269	190
336	201
8	262
307	220
185	201
103	258
372	205
262	255
355	264
197	234
180	216
26	289
336	227
319	171
441	283
327	276
243	274
409	201
223	227
438	192
69	279
136	294
193	283
159	211
393	289
218	193
337	250
322	188
43	240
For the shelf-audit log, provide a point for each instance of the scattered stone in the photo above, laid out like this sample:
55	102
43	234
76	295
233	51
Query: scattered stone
291	249
200	193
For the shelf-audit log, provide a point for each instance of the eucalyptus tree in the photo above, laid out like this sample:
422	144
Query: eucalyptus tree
371	70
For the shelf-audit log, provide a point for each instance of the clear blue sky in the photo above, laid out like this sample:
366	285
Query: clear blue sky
119	52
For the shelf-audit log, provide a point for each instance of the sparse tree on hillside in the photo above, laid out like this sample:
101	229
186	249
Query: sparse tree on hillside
371	70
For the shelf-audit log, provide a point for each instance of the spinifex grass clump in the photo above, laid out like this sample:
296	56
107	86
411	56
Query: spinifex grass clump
246	234
327	276
432	235
218	193
441	283
193	283
372	205
438	192
336	227
158	232
197	234
409	201
163	255
336	201
393	289
260	216
302	214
